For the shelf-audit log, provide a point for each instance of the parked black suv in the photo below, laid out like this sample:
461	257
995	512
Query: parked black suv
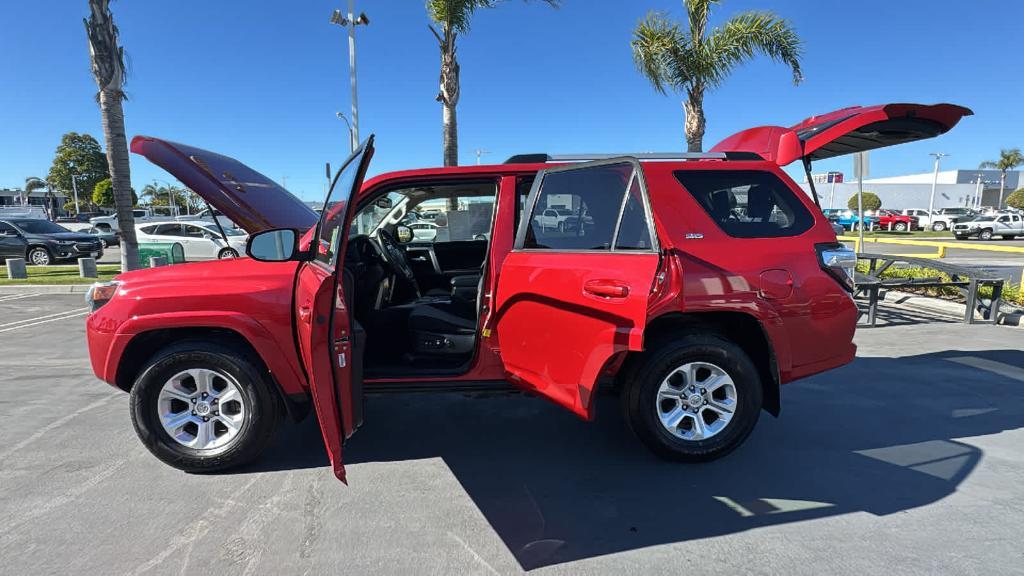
42	242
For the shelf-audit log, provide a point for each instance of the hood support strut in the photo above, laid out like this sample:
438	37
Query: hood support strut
213	214
810	181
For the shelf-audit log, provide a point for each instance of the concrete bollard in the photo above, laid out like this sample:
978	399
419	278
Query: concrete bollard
156	261
16	269
87	267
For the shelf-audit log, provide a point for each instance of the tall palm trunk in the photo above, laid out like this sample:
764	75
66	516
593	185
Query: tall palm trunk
694	122
448	96
120	175
107	59
451	135
1002	187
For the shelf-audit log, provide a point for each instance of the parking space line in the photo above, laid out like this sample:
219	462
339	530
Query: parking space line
999	368
26	320
18	296
43	320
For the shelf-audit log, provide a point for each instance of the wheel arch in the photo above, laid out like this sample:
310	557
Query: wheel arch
739	327
143	346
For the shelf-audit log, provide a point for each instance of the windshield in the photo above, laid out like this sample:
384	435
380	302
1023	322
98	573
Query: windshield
370	216
39	227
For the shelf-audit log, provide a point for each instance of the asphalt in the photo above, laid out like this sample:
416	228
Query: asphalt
907	461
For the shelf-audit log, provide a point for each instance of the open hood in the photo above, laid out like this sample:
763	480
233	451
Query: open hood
846	131
249	199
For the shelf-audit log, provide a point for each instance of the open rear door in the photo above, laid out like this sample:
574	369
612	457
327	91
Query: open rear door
572	295
846	131
330	346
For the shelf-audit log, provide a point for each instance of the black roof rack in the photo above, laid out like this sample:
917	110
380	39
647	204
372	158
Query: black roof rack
655	156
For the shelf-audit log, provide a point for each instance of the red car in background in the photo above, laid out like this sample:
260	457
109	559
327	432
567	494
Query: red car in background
892	220
698	285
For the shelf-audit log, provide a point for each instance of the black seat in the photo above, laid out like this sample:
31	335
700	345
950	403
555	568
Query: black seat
444	327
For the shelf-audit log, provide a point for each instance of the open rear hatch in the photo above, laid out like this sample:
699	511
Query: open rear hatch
846	131
249	199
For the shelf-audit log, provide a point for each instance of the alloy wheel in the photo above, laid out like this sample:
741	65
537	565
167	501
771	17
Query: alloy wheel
696	401
201	408
40	257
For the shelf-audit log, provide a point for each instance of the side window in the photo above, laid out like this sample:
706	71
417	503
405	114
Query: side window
148	229
168	230
6	229
580	209
193	231
747	203
139	213
1003	219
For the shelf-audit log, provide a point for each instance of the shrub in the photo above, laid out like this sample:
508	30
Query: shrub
1016	199
103	194
871	202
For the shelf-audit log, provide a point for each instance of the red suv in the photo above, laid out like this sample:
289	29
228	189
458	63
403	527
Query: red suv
892	220
694	285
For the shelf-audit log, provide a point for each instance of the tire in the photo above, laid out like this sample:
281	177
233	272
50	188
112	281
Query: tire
561	227
900	227
104	244
938	226
257	413
985	234
644	411
227	253
39	256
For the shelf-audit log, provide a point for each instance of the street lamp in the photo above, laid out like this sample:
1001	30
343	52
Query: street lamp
350	22
935	180
351	136
480	152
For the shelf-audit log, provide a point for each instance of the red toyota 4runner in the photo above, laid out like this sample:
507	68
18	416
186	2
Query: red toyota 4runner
694	285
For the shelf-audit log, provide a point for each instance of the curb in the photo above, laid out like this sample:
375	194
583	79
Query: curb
45	289
1015	319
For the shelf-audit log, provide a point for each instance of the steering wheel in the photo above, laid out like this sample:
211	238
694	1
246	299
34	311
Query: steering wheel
396	257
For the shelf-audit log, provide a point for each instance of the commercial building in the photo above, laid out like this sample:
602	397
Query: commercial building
12	197
953	188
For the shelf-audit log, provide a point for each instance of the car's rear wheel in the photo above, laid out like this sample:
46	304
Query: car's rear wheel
40	256
227	253
694	399
985	234
939	226
201	407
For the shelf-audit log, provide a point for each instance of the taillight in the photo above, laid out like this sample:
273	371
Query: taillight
839	261
100	293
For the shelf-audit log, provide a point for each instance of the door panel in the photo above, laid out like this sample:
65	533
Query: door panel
322	318
561	317
569	300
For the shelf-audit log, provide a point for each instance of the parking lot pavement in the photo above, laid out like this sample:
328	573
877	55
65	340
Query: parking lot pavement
908	461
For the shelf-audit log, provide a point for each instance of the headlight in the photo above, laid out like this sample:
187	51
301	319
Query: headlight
100	293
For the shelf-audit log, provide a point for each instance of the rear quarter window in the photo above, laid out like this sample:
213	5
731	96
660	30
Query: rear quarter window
747	203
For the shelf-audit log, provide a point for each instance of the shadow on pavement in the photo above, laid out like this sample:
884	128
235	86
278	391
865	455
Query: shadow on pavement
876	436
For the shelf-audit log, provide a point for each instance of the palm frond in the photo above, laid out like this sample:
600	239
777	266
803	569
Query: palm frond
748	34
988	165
1009	158
697	12
657	45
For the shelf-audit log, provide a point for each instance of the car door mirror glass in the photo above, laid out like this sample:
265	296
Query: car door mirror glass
272	245
403	234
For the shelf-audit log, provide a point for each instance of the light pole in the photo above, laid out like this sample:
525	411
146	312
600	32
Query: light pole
351	135
480	152
74	186
935	180
350	22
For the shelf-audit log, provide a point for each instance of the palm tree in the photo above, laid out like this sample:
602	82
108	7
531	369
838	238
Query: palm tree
453	18
32	183
107	59
1008	160
695	60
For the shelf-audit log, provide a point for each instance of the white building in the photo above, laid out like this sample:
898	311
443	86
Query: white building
953	188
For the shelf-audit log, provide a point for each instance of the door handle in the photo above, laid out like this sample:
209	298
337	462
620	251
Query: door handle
305	313
606	288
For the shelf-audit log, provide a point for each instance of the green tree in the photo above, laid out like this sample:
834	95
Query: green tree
107	59
871	202
103	194
157	195
1016	199
1008	160
695	61
77	155
453	18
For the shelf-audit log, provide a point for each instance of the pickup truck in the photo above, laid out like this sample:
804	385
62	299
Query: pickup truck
1007	225
142	215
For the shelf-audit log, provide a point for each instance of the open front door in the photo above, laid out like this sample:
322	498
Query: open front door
573	294
331	348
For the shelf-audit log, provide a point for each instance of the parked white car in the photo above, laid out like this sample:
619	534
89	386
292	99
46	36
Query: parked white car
209	217
142	215
1005	224
552	218
200	239
937	221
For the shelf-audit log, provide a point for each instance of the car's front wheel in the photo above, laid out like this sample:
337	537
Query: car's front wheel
227	253
939	226
900	227
201	407
693	399
985	234
40	256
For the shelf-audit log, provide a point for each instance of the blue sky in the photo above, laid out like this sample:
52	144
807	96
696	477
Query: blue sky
261	80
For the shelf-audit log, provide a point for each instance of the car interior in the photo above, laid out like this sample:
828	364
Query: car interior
413	274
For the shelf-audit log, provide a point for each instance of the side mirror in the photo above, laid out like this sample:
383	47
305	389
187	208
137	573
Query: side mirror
404	234
207	235
384	203
278	245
